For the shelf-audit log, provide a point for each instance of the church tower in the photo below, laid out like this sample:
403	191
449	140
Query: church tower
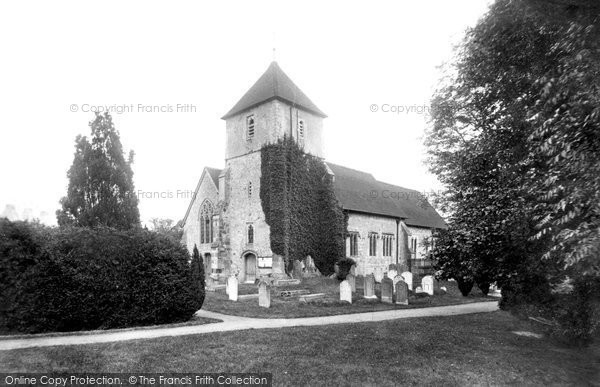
274	107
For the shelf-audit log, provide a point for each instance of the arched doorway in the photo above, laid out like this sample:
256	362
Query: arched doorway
250	267
207	265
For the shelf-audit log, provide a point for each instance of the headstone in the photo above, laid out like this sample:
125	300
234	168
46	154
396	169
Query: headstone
310	269
264	294
401	288
443	288
427	284
353	270
345	291
369	287
419	289
408	278
378	273
352	281
232	288
297	269
387	290
397	279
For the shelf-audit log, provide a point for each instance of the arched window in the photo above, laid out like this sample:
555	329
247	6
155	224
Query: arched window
250	234
250	127
206	224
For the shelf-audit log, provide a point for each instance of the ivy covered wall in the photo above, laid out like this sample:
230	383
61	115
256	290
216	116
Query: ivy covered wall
300	206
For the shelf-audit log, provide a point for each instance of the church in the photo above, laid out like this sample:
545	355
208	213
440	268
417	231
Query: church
387	224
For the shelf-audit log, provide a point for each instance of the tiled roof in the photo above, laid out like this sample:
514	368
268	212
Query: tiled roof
361	192
274	84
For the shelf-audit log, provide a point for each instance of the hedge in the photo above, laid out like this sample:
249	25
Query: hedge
79	278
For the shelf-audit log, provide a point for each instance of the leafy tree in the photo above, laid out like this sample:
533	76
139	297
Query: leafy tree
101	190
514	137
167	227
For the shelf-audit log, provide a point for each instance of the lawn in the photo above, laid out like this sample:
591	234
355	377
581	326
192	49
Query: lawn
458	350
290	307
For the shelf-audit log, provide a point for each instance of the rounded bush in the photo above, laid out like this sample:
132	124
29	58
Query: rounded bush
81	278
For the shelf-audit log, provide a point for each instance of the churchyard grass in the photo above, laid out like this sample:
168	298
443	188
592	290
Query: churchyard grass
331	304
478	349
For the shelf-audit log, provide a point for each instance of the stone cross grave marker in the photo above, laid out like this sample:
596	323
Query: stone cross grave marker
427	284
401	293
387	289
264	294
345	291
352	281
408	278
232	288
369	286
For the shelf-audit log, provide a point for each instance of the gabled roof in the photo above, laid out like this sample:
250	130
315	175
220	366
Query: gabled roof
213	173
274	84
361	192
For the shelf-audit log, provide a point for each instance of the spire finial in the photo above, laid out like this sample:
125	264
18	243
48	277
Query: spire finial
274	48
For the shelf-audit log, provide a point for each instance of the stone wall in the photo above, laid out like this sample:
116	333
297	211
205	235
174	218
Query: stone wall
364	225
191	230
272	121
244	209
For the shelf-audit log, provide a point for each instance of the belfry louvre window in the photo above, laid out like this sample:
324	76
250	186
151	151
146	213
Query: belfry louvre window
250	127
387	244
373	244
353	237
301	127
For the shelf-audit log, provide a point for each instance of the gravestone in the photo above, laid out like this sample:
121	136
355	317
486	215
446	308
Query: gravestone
397	279
264	294
352	281
427	284
232	288
345	291
353	270
419	289
387	290
369	287
408	278
297	268
310	269
379	274
401	288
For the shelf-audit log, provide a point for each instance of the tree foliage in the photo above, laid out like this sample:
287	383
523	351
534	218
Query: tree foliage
74	278
101	190
300	206
514	137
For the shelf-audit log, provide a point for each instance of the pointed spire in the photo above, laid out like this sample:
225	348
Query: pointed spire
274	84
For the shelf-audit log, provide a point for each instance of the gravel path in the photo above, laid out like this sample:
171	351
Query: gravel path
235	323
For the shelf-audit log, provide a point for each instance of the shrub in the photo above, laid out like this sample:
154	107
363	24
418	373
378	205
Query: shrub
80	278
344	266
464	285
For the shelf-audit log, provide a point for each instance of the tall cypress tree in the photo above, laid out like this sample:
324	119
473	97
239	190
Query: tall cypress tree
101	190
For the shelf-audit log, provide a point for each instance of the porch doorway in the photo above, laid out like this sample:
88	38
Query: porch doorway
250	267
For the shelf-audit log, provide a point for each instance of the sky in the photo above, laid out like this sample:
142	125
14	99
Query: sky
371	66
